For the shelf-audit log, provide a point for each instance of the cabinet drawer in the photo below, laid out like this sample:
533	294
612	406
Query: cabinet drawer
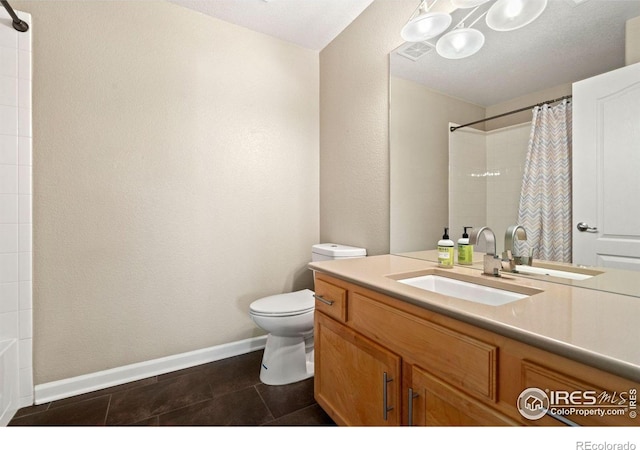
580	401
464	362
331	299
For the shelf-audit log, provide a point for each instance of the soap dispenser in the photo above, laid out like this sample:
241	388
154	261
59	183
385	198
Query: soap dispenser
445	250
465	250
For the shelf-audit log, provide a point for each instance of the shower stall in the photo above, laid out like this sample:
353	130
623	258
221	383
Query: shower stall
16	374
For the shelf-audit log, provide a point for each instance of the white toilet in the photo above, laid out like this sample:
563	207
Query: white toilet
288	318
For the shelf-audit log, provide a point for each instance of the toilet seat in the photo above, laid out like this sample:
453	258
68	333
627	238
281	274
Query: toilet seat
282	305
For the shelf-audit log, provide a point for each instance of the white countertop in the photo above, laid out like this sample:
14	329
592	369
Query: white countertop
601	329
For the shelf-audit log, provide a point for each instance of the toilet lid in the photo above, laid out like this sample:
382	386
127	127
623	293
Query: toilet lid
289	304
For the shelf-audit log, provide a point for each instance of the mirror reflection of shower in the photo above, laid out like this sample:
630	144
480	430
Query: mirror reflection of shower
485	178
524	168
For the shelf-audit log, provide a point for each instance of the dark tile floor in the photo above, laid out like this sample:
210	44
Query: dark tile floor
226	393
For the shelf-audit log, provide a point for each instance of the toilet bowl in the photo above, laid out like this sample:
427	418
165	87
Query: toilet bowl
288	318
288	354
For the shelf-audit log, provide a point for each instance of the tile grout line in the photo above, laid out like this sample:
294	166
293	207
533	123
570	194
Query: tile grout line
158	415
255	386
177	409
106	414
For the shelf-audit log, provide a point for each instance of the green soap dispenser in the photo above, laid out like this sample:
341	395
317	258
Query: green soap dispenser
465	250
445	251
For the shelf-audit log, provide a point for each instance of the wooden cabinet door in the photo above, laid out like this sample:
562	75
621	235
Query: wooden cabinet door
435	403
357	382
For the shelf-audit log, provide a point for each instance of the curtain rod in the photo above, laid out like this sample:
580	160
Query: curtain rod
452	129
19	25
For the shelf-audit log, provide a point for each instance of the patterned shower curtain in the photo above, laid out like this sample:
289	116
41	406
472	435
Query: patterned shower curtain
545	197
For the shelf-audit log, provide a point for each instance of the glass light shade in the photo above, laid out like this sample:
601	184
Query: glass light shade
425	26
464	4
507	15
460	43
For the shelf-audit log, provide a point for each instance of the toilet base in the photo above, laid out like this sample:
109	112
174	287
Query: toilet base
286	360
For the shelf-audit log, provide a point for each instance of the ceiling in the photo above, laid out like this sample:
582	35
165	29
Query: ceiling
570	41
295	21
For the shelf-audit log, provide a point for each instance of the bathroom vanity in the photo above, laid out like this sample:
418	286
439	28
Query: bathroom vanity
392	353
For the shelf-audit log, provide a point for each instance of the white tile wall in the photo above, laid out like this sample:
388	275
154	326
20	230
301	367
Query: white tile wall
16	307
506	154
467	181
486	175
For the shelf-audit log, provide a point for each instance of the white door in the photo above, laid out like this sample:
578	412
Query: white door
606	169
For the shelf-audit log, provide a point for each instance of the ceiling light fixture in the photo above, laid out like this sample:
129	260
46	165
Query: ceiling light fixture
462	41
508	15
426	24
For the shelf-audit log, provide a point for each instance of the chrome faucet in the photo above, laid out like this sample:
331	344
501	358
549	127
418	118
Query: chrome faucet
513	232
491	262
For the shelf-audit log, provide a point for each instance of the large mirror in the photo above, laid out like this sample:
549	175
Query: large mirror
570	41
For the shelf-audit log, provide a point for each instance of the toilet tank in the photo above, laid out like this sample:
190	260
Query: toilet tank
323	252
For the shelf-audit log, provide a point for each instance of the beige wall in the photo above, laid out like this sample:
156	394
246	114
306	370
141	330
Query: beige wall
419	162
175	180
354	127
632	48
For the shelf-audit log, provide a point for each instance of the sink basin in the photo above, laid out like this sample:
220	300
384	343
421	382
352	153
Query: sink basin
541	270
464	290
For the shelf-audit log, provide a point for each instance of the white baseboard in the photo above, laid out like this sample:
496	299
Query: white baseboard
82	384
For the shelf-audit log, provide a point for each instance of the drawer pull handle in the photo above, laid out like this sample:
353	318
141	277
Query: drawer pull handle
385	407
324	300
412	395
563	419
